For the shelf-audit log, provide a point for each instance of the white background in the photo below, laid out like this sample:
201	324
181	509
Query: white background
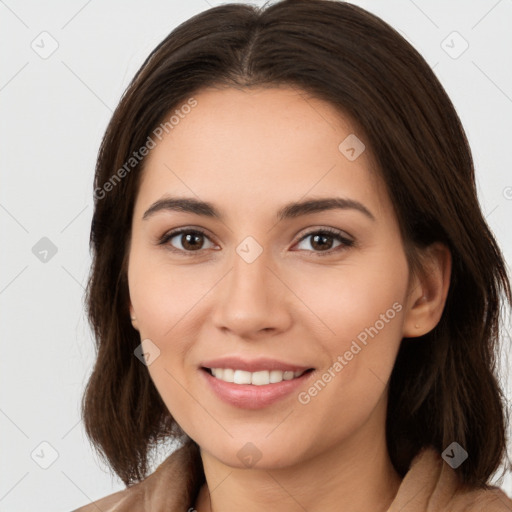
53	113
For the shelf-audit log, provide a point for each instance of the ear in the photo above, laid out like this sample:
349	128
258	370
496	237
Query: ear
428	290
133	318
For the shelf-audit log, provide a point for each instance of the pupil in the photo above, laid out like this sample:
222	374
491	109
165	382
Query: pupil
192	239
323	238
189	241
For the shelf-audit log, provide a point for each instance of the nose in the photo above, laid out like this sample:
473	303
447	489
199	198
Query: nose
252	300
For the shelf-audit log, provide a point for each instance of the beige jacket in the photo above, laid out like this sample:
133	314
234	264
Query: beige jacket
430	485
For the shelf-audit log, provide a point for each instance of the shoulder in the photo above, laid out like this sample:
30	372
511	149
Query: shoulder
170	487
431	485
118	501
491	499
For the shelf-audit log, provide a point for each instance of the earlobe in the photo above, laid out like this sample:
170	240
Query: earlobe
428	291
133	318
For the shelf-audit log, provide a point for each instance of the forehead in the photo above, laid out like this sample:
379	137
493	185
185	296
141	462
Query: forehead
252	146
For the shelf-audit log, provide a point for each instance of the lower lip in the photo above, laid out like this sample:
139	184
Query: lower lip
249	396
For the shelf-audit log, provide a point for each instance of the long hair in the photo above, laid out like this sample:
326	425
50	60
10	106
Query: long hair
443	387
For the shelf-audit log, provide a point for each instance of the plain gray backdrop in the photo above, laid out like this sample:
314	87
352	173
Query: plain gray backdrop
64	66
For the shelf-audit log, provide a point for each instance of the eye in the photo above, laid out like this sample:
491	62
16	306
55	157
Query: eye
187	240
322	241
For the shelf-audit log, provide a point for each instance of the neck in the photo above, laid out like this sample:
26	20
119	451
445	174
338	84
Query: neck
355	476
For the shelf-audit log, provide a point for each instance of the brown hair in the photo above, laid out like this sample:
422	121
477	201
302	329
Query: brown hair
443	387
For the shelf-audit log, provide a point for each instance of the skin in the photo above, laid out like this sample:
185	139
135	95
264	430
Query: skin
249	152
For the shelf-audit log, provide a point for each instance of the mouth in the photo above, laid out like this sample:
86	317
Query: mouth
253	383
257	378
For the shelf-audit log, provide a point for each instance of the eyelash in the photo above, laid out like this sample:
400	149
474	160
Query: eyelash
346	242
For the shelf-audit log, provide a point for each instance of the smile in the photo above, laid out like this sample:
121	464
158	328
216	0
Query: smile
259	378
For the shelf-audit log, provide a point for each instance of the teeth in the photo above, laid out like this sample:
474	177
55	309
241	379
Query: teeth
260	378
228	375
241	377
275	376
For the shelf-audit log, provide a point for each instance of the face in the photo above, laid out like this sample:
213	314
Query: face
304	308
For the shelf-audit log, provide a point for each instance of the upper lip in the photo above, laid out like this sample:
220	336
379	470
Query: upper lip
252	365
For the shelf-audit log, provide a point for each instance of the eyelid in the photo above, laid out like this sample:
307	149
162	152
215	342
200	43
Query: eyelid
329	230
166	237
345	239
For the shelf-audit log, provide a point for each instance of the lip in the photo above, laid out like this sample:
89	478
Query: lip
249	396
253	365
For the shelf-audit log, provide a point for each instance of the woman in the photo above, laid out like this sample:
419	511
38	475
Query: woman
292	278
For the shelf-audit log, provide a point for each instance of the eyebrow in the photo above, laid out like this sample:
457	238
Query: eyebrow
289	211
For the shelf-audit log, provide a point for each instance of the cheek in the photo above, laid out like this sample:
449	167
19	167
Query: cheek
163	299
362	304
358	296
162	294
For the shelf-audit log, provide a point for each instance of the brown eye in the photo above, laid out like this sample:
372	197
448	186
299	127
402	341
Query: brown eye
185	240
324	240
